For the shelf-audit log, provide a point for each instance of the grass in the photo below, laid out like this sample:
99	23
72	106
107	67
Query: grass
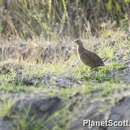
13	88
51	20
47	68
23	122
107	52
97	83
59	120
6	107
100	74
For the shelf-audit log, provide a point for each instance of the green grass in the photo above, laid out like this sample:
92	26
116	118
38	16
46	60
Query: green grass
40	69
107	52
59	119
23	122
13	88
5	108
100	74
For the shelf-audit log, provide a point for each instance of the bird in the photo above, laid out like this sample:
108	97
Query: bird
89	58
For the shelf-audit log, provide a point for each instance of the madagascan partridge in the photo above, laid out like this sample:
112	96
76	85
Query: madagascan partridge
89	58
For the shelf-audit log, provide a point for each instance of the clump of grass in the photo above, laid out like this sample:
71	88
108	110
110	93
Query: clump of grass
107	52
80	70
5	108
102	73
24	122
59	120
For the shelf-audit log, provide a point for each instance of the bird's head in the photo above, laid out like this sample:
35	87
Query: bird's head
79	42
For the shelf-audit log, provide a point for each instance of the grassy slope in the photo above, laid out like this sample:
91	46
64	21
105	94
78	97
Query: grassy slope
101	80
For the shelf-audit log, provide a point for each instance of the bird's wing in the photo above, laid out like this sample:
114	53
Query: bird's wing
95	58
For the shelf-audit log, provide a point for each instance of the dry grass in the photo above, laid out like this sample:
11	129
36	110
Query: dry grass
110	43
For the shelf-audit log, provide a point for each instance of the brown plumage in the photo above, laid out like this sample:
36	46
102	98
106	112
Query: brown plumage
87	57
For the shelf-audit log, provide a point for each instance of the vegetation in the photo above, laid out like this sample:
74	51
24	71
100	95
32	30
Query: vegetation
41	25
54	18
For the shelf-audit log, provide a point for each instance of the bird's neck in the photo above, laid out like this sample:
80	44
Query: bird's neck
81	49
81	46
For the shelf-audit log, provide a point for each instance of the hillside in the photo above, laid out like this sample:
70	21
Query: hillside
44	85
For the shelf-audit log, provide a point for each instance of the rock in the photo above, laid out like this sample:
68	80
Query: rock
103	111
5	125
39	106
33	107
121	112
123	75
93	111
66	82
31	81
